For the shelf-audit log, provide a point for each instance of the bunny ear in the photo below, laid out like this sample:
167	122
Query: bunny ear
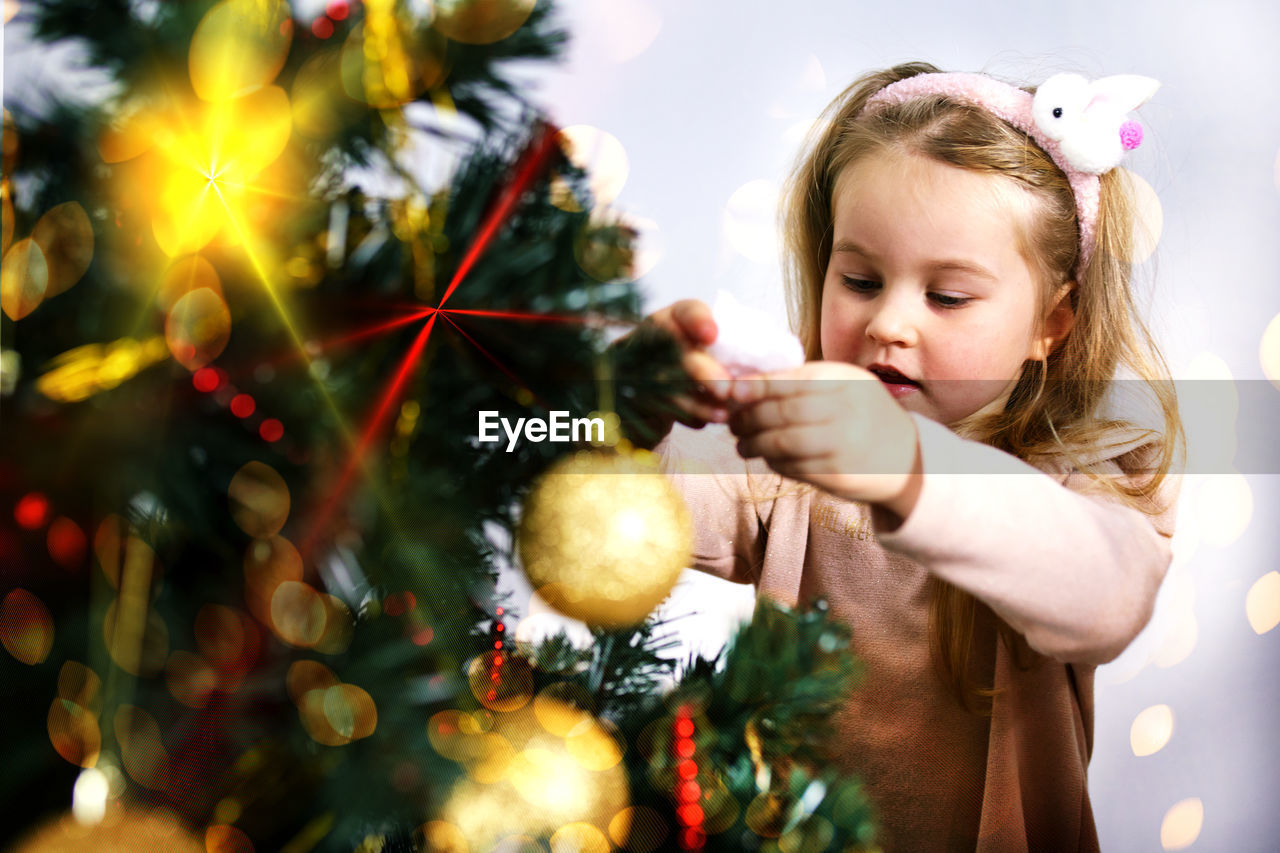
1121	92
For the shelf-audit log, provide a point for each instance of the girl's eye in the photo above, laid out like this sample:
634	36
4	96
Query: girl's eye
860	285
945	301
942	300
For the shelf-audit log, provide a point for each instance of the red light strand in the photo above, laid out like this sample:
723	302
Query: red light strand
531	163
688	792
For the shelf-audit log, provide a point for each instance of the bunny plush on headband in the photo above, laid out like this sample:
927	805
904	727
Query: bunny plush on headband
1082	125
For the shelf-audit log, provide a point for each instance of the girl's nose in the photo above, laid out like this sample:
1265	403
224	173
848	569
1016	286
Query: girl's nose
891	323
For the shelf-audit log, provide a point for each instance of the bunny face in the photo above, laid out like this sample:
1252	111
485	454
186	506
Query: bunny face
1059	103
1087	118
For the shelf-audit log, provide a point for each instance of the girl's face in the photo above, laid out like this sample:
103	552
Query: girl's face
926	276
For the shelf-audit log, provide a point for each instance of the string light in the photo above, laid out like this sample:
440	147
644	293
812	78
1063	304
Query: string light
495	664
688	812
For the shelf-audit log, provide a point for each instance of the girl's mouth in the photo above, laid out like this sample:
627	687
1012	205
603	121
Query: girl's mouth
897	384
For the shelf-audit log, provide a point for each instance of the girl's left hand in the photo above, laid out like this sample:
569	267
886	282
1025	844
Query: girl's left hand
833	425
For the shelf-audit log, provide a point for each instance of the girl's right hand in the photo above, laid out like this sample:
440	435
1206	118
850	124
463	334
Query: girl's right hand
690	322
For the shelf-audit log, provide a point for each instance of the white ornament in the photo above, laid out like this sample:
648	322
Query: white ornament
749	340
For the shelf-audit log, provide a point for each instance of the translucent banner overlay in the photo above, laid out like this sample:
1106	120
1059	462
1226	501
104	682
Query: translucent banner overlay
1231	427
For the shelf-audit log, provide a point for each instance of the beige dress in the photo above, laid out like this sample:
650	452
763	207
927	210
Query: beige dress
1072	570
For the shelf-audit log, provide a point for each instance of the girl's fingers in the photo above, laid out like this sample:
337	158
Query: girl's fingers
699	411
695	321
777	412
791	444
710	373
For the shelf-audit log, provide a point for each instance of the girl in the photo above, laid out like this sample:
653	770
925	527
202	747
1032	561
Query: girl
957	274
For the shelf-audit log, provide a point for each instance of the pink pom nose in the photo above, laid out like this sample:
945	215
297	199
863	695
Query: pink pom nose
1130	135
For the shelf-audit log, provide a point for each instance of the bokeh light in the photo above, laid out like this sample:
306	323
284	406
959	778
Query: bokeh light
322	27
445	837
136	636
142	751
184	276
197	168
451	734
500	681
207	379
32	511
65	236
638	829
1269	351
26	627
259	500
629	28
1151	730
67	543
1262	603
350	711
81	372
562	707
481	21
89	796
388	59
601	156
311	711
24	279
594	744
239	47
198	328
649	248
532	783
1148	217
121	552
606	250
1181	825
749	223
320	105
222	838
339	626
243	405
307	675
6	210
1183	630
579	838
271	430
190	679
267	564
297	614
79	684
1212	424
220	636
1225	508
74	732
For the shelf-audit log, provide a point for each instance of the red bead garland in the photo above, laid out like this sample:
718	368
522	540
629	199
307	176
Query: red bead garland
687	791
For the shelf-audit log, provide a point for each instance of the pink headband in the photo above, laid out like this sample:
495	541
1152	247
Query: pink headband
1081	125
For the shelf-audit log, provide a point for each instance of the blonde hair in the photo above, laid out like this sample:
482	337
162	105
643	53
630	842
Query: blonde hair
1054	411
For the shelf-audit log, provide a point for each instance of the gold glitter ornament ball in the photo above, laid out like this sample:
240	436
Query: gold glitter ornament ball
604	537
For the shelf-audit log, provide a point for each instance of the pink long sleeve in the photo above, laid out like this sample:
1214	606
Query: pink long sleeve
1076	574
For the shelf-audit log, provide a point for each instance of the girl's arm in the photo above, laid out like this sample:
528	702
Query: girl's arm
1075	574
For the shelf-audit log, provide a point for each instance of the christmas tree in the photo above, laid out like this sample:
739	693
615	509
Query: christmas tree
250	594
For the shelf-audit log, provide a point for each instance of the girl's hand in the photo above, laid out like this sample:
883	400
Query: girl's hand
833	425
689	321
